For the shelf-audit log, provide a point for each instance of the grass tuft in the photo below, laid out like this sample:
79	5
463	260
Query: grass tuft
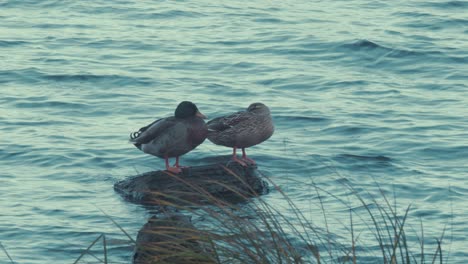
252	230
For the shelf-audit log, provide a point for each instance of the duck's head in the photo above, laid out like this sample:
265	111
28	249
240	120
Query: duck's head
258	108
187	109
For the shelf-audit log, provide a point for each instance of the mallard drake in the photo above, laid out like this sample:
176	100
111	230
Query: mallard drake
242	130
172	136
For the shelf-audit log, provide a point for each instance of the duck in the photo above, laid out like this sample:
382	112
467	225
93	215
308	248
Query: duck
242	130
173	136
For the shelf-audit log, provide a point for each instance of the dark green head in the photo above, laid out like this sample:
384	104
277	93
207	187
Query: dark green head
187	109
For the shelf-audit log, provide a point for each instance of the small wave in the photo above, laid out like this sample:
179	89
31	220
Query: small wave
366	45
244	65
293	86
302	118
172	14
228	42
346	130
361	157
30	4
363	44
426	213
38	123
451	22
62	26
376	92
33	75
456	76
92	78
461	60
270	20
77	77
51	61
13	99
357	162
414	14
430	21
21	75
344	83
52	104
448	4
377	52
12	43
447	152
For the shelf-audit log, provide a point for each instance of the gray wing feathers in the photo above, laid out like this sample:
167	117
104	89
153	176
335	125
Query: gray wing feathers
153	131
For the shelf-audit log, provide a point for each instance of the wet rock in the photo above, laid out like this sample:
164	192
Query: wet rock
198	185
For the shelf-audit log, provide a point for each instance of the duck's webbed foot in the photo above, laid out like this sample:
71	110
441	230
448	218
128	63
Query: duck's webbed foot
176	169
249	160
176	164
237	160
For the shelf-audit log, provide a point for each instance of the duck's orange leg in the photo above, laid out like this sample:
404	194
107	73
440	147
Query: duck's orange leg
176	164
244	157
236	159
172	169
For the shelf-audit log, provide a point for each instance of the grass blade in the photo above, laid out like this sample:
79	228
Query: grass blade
87	249
6	253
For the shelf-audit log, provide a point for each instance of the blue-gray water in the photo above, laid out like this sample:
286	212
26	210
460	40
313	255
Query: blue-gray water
371	91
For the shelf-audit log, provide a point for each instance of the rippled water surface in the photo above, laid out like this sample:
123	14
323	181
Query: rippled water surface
369	92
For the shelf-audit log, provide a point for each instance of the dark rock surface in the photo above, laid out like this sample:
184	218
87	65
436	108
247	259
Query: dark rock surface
169	236
194	186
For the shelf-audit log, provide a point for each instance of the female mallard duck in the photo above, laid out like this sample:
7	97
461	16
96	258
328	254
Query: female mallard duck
172	136
242	130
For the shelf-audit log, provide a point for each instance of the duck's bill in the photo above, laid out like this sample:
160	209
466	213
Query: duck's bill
200	115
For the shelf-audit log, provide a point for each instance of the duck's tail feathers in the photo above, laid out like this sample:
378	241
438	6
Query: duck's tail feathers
134	136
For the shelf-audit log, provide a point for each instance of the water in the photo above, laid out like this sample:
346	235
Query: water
373	93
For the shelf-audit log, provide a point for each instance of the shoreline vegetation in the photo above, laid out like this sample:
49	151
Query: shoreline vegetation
250	230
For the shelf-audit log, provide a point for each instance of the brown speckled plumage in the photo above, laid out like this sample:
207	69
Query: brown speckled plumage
242	129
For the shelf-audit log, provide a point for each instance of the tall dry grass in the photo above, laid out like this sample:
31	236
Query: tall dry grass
256	231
